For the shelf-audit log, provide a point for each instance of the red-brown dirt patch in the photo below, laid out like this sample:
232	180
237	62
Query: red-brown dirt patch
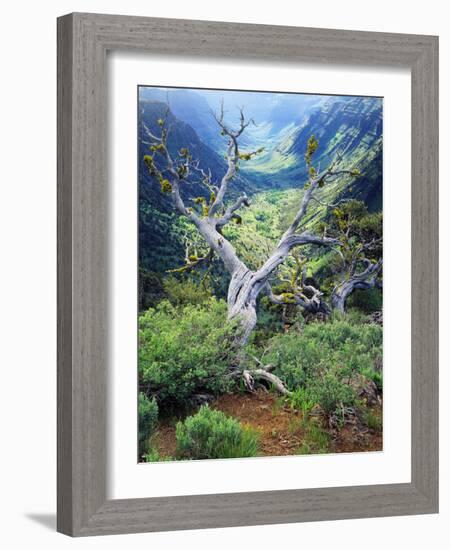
277	424
281	428
355	437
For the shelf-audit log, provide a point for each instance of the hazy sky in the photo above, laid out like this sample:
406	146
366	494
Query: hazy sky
256	104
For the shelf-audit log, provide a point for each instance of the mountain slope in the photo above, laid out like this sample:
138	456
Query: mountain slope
349	124
190	107
161	230
275	179
160	236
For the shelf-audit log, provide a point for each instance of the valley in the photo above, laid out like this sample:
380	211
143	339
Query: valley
307	376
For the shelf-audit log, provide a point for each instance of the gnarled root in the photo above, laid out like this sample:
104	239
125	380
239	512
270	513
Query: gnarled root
264	374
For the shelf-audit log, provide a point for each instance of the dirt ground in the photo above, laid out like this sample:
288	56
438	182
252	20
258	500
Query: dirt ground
281	429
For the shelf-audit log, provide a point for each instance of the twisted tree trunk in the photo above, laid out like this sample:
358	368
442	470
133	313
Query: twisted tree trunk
241	299
246	285
364	281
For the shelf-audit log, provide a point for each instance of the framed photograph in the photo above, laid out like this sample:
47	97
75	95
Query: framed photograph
247	221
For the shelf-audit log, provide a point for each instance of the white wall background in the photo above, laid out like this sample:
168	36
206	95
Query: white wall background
28	272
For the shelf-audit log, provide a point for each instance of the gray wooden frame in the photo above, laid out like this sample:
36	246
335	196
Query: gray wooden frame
83	40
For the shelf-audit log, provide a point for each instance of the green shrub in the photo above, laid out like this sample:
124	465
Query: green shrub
211	434
375	376
269	322
318	363
153	456
151	289
353	316
373	420
296	358
327	390
184	351
302	400
331	393
148	420
334	334
186	291
315	440
367	301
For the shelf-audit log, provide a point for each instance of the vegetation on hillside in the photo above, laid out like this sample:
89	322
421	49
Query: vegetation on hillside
314	343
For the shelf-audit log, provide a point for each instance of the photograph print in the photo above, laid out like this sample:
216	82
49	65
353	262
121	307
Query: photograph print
260	274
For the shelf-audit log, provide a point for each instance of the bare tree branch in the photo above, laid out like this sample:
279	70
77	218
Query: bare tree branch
312	303
193	259
230	211
364	280
232	160
150	134
283	248
232	155
263	374
315	181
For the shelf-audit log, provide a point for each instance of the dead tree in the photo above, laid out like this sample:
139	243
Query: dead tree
359	251
360	273
211	215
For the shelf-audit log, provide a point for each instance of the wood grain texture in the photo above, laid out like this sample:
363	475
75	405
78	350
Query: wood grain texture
83	40
64	328
425	272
